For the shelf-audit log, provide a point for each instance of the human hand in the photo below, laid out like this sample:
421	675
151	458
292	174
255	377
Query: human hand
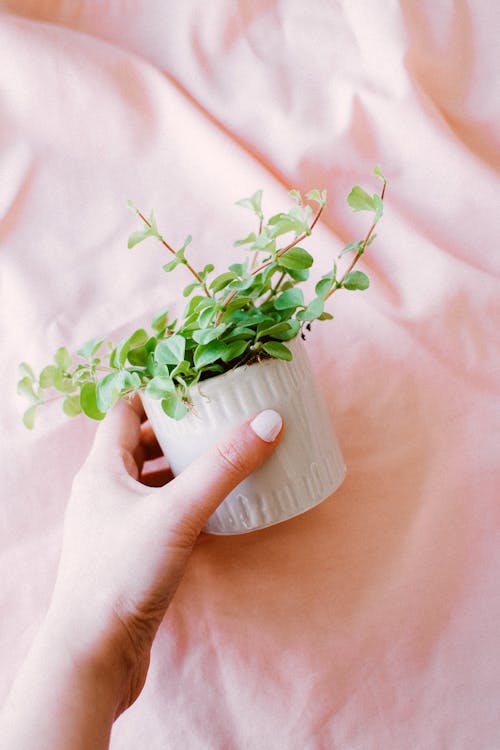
126	544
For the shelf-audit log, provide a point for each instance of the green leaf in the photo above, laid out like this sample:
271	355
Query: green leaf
264	243
189	288
48	376
207	315
236	303
242	285
359	200
138	236
351	246
170	351
160	386
246	241
139	356
292	298
186	242
249	317
296	196
154	227
315	195
234	350
296	220
206	354
25	389
138	338
113	386
25	371
240	332
280	224
378	172
356	280
88	401
82	373
183	368
296	258
112	358
88	349
62	358
290	333
222	280
29	417
312	311
151	365
253	203
179	256
71	406
208	269
62	382
193	305
205	335
109	390
173	406
171	265
278	350
326	283
240	269
190	324
298	274
264	329
323	287
159	320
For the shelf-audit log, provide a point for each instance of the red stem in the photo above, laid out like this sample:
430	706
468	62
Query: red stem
358	254
268	263
171	250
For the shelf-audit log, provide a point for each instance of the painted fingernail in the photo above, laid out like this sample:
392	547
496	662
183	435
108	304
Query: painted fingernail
267	425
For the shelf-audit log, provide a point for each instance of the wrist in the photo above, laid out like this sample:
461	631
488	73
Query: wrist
71	646
62	697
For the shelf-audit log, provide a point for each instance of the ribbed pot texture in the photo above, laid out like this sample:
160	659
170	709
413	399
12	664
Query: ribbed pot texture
306	467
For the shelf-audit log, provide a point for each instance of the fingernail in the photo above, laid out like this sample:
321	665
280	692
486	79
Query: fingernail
267	425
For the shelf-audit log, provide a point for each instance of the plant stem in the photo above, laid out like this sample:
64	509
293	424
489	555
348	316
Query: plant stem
256	253
274	291
268	263
171	250
292	244
358	255
98	368
278	284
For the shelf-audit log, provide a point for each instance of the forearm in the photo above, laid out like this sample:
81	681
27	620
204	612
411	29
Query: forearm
57	703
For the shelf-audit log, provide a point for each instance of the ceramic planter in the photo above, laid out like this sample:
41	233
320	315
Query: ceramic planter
306	467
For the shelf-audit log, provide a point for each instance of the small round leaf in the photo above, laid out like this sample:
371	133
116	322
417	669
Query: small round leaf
88	401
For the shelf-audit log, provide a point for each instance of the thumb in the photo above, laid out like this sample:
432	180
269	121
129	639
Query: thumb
197	491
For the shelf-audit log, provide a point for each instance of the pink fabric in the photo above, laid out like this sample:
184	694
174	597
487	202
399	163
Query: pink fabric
373	620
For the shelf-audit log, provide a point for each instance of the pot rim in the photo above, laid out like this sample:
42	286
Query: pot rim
204	387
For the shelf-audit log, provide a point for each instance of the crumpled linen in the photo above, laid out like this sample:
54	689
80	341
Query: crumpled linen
372	620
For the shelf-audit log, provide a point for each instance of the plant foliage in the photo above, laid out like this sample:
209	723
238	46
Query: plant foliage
238	316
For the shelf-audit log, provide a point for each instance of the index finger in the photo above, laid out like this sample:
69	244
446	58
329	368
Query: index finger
118	435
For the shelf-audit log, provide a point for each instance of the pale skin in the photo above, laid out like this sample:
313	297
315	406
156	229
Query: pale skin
124	552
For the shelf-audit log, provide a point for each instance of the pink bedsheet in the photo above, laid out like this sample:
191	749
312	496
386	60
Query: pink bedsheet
372	621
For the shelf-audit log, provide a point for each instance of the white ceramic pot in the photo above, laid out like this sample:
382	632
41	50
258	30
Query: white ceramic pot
306	467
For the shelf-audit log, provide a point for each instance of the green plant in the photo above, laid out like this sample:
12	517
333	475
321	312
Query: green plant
239	316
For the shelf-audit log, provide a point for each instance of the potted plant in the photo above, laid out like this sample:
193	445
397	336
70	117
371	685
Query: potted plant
237	349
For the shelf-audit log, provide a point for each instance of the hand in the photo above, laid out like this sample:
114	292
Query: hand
126	544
